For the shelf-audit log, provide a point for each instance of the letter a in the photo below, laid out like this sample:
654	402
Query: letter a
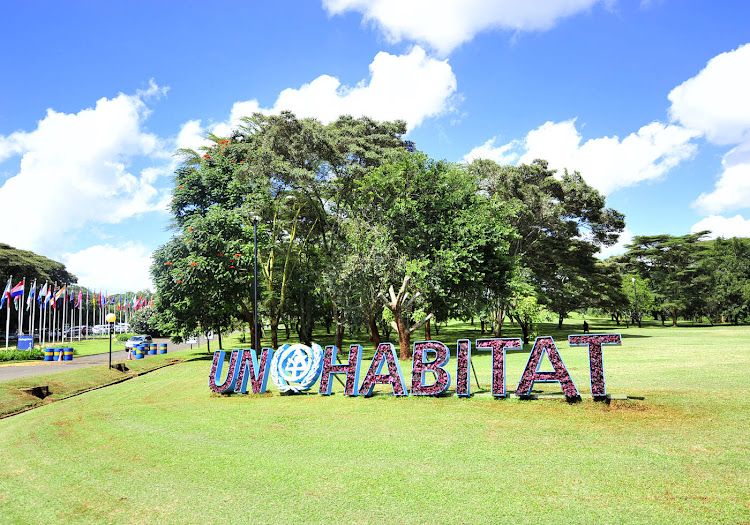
532	374
384	354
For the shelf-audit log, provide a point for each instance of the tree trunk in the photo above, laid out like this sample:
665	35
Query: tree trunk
374	334
437	328
559	321
427	335
674	316
404	344
208	342
481	327
274	333
497	330
220	347
524	328
339	337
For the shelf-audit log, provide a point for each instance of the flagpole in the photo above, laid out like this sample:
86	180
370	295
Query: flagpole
7	311
87	313
20	308
31	314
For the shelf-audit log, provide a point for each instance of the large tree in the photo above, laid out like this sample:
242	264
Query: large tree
560	222
446	231
671	264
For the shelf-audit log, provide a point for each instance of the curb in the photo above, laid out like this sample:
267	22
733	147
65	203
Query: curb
121	380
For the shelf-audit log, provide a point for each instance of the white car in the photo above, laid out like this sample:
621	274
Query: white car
137	340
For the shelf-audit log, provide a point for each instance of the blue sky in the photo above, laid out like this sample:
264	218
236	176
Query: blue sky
649	100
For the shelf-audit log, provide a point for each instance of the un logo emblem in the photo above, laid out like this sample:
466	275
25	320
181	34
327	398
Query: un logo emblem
295	368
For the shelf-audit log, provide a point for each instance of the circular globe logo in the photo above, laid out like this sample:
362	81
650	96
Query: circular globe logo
295	368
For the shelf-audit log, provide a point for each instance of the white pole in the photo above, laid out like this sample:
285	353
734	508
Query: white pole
33	315
7	313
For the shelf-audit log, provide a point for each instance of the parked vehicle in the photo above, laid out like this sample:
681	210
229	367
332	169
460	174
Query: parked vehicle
137	340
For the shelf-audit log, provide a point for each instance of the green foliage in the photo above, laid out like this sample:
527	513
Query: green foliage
143	321
559	224
21	355
22	263
124	337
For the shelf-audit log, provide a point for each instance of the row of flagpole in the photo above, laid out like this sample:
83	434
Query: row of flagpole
48	297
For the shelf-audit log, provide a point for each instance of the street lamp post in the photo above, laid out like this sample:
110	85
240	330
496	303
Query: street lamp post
256	343
110	320
635	294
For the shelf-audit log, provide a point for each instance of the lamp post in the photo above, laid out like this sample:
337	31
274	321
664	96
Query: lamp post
256	343
110	319
635	294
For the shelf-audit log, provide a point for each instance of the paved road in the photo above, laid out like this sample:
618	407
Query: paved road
12	371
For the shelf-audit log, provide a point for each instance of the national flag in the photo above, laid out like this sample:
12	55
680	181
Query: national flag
151	302
6	294
47	296
17	292
59	293
42	294
101	299
30	300
80	299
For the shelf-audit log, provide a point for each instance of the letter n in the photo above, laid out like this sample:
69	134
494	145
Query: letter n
218	364
250	368
596	360
532	374
351	369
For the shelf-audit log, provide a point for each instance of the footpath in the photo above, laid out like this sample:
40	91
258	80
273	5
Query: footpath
11	370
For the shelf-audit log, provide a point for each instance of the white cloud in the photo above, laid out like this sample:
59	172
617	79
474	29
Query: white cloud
606	163
446	24
409	87
74	171
725	227
112	268
732	191
715	101
626	237
504	154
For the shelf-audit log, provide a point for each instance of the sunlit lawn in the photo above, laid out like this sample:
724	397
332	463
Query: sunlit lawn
161	449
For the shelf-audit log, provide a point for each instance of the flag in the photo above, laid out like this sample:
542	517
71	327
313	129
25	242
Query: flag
6	294
80	299
30	300
101	299
59	293
42	294
47	296
17	290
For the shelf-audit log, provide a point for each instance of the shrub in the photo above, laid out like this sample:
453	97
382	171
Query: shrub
21	355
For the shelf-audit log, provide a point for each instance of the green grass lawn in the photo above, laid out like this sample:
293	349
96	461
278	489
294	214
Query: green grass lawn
161	449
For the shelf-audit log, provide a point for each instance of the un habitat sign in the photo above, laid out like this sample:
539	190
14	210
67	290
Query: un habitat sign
296	368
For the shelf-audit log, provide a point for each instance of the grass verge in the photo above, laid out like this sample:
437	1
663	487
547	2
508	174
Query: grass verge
161	449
